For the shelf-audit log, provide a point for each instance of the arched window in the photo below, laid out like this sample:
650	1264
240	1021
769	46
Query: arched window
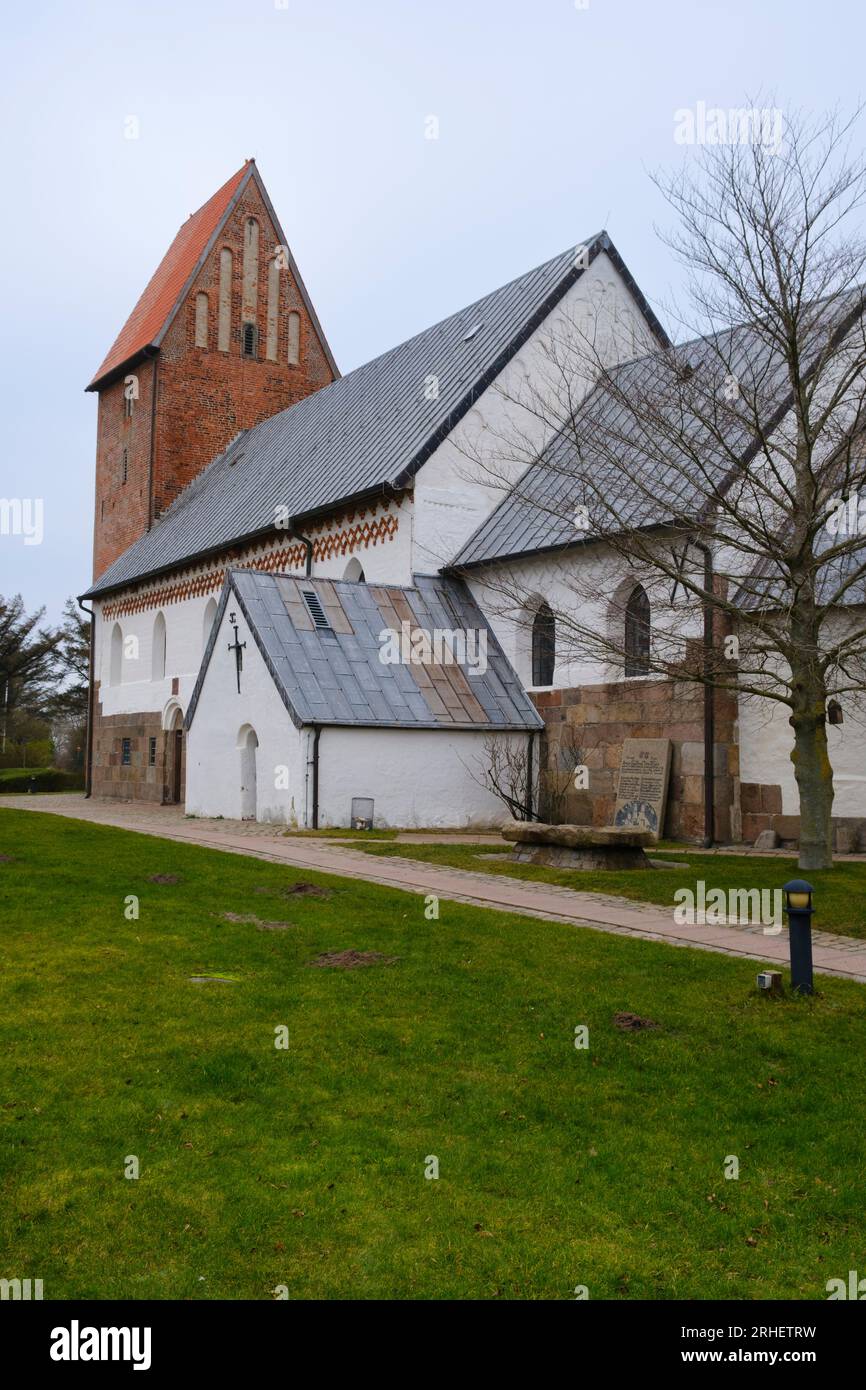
116	660
637	633
207	624
354	571
157	651
294	354
543	646
201	307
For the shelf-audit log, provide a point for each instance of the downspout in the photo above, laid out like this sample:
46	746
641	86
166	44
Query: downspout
155	360
305	540
88	755
530	770
316	735
709	704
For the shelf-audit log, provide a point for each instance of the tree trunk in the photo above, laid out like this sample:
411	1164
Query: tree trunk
814	780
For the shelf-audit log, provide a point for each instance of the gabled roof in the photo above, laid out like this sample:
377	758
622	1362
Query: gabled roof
537	514
365	435
167	288
336	675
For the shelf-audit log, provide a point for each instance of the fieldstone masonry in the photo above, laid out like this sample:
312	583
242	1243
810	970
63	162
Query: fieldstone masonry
594	722
138	779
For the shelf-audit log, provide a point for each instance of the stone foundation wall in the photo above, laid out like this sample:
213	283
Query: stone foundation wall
762	810
137	780
596	720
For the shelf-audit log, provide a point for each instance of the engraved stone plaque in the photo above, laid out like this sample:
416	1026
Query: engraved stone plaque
643	784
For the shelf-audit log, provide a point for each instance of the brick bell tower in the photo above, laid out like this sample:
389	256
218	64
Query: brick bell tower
223	336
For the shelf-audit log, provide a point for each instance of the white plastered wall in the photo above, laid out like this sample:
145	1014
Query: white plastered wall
220	721
452	495
593	578
416	777
137	692
766	741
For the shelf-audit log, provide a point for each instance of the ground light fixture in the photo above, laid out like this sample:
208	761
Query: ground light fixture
798	905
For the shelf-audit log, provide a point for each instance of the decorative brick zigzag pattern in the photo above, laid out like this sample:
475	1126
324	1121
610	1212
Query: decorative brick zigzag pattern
358	537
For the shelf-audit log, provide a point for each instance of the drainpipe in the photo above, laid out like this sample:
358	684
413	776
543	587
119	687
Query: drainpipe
305	540
316	735
709	704
152	451
88	756
530	770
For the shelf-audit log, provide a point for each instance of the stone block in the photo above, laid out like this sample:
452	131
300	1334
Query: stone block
786	827
693	790
771	799
613	756
768	839
691	757
846	838
753	824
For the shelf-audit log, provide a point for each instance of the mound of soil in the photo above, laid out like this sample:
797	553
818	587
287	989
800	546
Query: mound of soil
298	890
632	1023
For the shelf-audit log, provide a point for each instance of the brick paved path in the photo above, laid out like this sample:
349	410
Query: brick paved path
833	954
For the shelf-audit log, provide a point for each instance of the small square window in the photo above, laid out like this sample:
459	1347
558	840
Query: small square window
151	752
126	751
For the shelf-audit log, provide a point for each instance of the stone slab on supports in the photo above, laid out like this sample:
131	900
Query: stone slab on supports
579	847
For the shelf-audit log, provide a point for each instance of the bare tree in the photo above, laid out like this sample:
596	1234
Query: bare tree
506	769
722	474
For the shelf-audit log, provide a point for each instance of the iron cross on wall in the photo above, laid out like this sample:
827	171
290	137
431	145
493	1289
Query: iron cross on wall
238	648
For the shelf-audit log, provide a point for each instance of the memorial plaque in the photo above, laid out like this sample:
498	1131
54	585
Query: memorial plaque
643	784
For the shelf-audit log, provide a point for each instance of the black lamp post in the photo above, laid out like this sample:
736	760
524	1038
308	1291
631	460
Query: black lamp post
798	905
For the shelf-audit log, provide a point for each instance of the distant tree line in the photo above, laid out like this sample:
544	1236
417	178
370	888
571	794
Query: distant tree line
43	686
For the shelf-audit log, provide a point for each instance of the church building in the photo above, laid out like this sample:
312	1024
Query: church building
293	569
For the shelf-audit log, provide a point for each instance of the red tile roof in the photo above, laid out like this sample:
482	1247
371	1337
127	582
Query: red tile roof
148	318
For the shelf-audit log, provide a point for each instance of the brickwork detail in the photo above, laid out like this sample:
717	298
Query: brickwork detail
192	401
269	557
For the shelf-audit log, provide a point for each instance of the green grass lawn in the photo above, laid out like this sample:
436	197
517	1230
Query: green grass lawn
305	1168
840	892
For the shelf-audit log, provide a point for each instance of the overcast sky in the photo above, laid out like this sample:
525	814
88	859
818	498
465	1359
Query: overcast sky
550	119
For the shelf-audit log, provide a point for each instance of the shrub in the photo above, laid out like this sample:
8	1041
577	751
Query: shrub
44	779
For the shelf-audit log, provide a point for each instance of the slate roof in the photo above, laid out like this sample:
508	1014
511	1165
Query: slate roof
364	435
336	676
660	482
167	288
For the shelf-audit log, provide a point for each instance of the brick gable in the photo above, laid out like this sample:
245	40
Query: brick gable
193	400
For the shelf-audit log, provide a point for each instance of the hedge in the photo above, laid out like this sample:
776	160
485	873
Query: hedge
46	779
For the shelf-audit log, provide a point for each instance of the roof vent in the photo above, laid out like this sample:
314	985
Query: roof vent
316	611
476	328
